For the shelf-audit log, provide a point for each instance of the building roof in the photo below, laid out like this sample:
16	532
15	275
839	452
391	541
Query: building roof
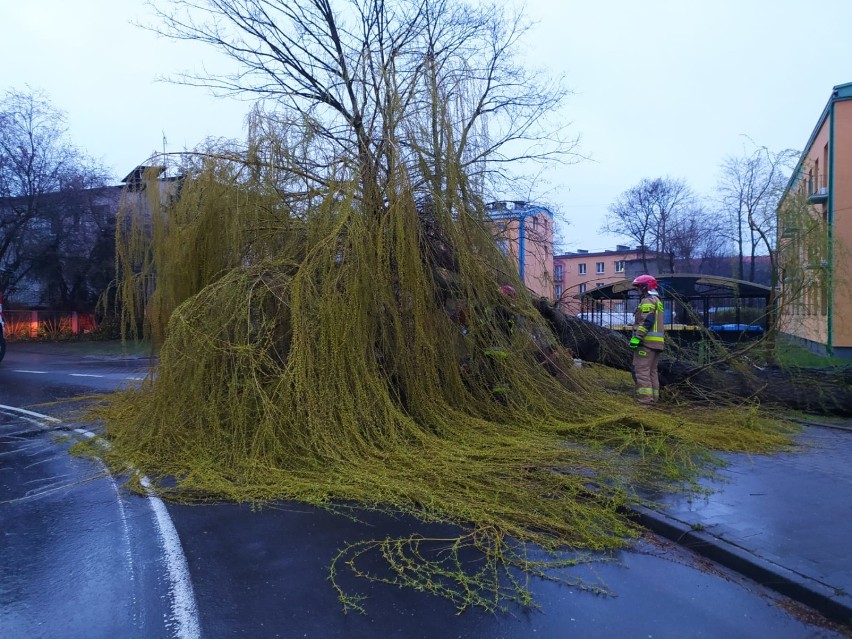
839	92
618	250
142	172
514	210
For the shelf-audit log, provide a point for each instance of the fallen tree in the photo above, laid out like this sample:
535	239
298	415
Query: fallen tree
815	390
586	340
822	391
324	338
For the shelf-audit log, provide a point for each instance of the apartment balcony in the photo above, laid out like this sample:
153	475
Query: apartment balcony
817	189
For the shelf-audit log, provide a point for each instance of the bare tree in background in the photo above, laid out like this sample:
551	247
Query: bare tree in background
33	162
70	252
373	81
47	226
696	240
749	188
648	213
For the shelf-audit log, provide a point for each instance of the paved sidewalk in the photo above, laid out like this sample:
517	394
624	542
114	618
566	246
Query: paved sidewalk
783	520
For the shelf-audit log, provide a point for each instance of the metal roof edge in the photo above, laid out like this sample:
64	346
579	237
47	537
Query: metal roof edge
523	210
668	279
615	253
838	92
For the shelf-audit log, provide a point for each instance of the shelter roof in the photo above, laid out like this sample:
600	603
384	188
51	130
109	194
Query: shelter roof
685	287
142	171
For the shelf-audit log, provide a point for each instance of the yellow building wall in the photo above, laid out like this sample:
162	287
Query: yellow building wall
842	194
803	317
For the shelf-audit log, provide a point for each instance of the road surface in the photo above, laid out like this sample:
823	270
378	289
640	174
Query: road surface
82	557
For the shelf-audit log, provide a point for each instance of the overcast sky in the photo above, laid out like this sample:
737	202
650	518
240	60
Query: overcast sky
661	88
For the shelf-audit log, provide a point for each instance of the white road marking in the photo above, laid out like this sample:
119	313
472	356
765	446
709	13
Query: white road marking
46	418
135	378
184	608
128	554
183	605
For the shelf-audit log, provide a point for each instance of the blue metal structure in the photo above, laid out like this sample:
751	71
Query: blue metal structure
517	211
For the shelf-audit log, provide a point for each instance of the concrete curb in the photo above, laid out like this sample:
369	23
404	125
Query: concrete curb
828	601
843	427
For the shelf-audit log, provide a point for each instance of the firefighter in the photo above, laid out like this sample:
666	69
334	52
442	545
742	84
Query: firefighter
648	339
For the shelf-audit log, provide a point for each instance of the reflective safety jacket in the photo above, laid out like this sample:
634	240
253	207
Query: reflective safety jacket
649	321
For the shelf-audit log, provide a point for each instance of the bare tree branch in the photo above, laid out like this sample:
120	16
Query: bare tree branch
372	79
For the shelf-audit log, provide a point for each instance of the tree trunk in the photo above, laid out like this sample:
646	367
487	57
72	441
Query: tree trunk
586	340
826	391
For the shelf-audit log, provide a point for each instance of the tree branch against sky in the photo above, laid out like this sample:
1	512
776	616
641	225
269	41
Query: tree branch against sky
695	239
33	158
749	188
648	213
371	79
42	180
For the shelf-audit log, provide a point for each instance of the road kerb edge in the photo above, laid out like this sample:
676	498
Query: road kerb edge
834	605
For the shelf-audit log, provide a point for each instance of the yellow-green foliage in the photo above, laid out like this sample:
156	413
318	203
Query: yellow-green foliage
315	350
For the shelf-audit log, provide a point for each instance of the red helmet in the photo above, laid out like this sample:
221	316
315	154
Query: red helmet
508	291
648	282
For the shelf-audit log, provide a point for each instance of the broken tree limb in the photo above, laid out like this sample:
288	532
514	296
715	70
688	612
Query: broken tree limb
586	340
825	391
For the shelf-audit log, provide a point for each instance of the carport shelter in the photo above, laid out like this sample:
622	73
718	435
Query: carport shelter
727	306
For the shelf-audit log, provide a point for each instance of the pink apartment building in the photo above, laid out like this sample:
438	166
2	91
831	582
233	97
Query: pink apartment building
580	271
525	232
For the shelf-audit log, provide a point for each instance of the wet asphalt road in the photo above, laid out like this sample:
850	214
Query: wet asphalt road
81	557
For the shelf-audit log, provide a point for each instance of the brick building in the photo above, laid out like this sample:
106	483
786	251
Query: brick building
579	271
524	231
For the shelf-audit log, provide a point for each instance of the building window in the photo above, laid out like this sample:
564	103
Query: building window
599	267
581	269
558	272
558	291
599	285
582	288
619	266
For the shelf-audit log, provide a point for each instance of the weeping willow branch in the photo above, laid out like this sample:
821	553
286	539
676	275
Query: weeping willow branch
331	355
331	327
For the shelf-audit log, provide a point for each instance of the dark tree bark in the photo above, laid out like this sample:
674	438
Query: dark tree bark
826	391
586	340
823	391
